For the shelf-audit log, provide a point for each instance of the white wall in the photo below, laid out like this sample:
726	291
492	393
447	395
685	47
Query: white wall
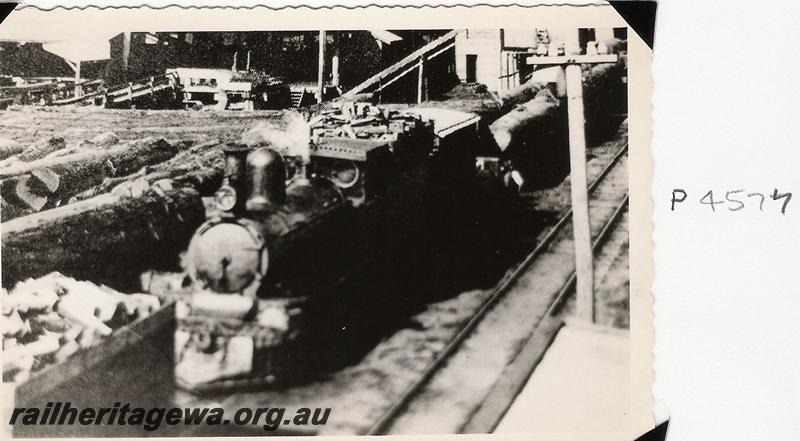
485	43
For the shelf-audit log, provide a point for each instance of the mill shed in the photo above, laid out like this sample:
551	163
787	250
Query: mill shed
498	57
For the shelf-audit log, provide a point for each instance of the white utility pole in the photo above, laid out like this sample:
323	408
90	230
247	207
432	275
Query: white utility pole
421	92
578	181
76	67
321	72
335	62
78	86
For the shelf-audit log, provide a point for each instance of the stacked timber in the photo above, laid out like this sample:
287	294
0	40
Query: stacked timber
364	97
109	239
470	98
49	319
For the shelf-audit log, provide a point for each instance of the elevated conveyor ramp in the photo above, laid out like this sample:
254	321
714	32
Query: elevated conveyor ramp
411	62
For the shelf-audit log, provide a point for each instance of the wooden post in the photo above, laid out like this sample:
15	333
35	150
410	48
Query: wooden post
580	196
126	52
78	87
321	68
508	71
335	62
516	80
421	80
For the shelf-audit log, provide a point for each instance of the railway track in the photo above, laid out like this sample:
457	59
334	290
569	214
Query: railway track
604	196
389	388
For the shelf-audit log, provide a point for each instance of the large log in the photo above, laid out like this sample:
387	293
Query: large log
107	239
9	148
201	168
508	129
47	182
52	147
606	99
42	148
522	93
10	211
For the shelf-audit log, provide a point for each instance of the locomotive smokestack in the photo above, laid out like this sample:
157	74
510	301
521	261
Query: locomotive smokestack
267	176
235	177
234	163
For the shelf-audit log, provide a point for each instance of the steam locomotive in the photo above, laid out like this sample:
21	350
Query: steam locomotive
284	232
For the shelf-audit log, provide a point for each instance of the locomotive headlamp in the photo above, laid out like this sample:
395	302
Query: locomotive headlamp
225	198
344	173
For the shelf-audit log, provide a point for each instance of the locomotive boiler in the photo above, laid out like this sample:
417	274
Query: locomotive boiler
261	225
283	233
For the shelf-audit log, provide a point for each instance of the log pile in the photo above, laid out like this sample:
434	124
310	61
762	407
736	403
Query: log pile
108	239
104	205
20	125
51	181
535	131
604	96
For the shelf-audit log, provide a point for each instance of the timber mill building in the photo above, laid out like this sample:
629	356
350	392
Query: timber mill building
349	57
279	69
498	58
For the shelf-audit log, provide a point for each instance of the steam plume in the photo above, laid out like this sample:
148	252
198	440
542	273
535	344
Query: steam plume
290	138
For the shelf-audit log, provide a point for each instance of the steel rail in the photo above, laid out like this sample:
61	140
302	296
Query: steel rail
500	398
391	414
565	290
